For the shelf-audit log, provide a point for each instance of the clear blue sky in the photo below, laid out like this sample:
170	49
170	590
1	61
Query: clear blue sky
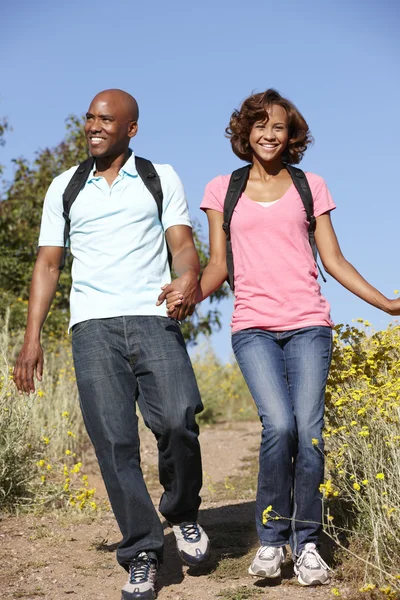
190	64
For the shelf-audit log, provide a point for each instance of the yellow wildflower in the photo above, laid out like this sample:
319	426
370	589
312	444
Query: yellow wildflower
266	515
368	587
380	476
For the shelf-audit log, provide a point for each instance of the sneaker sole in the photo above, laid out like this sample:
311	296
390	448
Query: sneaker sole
150	595
314	582
193	561
263	574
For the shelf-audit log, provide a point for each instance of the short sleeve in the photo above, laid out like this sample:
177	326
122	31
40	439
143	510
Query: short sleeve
52	225
175	206
323	201
214	195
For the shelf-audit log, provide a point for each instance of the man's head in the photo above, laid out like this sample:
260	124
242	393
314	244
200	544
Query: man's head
111	122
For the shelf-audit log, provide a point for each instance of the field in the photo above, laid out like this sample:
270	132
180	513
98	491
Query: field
58	534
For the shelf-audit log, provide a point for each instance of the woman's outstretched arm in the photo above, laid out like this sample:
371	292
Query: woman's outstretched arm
338	267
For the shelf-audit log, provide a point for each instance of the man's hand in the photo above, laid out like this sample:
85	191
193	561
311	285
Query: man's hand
183	295
29	360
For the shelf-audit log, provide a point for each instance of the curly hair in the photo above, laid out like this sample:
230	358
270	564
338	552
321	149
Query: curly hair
255	108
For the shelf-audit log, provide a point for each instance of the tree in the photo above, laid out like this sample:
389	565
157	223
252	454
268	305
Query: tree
20	213
4	126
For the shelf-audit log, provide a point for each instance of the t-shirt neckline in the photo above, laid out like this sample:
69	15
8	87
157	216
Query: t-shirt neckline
277	201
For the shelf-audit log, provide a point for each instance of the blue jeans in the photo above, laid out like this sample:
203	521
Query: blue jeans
286	373
119	361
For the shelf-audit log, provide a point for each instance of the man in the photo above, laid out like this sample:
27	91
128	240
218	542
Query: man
125	347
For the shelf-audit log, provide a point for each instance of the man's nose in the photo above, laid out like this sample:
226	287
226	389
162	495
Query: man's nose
95	126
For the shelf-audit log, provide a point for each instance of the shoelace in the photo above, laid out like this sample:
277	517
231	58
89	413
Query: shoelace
311	558
268	552
140	568
190	532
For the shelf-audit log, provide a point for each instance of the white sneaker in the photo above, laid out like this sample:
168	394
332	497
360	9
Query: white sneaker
192	543
267	562
310	568
142	579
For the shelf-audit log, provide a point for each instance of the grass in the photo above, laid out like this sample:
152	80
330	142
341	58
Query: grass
241	593
42	439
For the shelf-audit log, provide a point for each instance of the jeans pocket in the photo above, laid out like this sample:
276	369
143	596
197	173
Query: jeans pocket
80	327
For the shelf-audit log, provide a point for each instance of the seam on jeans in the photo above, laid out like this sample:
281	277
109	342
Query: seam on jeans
140	392
125	336
293	520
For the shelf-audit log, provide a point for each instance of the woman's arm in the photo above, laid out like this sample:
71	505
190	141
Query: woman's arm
215	272
338	267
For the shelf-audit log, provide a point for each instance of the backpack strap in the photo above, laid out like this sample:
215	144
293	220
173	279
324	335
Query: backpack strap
236	186
237	183
152	181
146	172
70	194
301	184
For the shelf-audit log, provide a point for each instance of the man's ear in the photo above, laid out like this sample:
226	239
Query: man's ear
133	129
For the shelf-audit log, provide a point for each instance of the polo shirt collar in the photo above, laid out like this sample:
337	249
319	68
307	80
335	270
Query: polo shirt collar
129	168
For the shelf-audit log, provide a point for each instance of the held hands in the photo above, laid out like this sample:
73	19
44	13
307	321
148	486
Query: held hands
29	360
181	295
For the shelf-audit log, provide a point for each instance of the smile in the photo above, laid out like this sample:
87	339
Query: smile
96	140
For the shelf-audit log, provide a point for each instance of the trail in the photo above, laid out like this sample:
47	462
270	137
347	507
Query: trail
59	556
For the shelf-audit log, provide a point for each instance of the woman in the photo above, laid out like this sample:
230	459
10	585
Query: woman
281	324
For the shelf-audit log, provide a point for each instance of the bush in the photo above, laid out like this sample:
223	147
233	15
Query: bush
363	450
223	390
41	435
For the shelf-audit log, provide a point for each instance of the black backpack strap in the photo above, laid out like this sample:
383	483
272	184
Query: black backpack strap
70	194
301	184
151	180
237	183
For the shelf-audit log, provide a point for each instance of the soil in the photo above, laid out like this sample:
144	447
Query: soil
64	555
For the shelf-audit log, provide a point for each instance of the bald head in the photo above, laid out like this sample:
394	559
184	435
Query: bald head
118	98
111	122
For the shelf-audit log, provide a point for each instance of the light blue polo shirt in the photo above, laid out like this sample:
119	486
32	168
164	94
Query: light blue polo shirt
117	241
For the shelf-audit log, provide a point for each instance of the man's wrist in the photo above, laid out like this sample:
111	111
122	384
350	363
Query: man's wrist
32	336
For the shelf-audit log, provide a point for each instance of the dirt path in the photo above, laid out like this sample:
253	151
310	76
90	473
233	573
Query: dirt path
57	556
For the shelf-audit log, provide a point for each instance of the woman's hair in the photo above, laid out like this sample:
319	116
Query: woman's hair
255	108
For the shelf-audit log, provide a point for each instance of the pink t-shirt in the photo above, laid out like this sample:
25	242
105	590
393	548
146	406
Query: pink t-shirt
276	285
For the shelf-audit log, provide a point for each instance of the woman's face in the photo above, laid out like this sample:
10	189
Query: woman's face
269	138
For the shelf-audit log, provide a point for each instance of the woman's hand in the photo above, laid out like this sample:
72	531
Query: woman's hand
394	307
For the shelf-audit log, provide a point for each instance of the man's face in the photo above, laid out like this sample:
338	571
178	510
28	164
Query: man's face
108	127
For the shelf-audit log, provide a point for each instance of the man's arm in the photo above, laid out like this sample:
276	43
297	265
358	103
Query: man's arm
43	288
186	264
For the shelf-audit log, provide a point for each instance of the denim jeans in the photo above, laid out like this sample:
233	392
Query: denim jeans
286	373
119	361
